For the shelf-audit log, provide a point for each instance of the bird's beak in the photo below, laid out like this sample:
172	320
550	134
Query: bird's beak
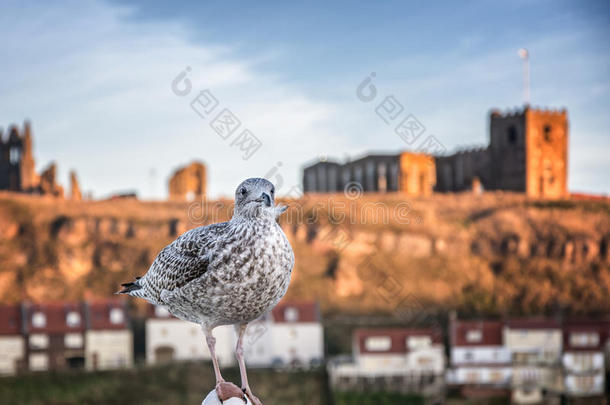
279	210
267	199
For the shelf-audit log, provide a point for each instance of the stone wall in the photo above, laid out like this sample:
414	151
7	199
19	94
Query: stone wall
417	173
546	153
188	182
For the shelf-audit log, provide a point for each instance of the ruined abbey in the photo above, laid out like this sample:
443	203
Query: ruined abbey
527	153
188	183
17	167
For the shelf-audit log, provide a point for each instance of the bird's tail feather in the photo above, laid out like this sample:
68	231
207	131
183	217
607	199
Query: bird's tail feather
130	287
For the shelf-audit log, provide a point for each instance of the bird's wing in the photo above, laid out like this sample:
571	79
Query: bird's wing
185	259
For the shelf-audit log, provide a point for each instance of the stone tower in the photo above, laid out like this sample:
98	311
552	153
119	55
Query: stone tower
28	173
529	152
188	183
417	173
75	193
17	160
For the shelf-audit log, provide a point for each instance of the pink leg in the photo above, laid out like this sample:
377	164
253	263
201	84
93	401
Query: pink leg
239	354
224	390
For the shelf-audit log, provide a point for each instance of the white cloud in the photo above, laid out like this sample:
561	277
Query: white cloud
96	86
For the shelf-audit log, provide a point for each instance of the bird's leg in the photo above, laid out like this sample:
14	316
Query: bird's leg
239	354
224	390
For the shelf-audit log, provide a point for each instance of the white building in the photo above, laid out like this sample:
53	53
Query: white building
291	335
479	359
535	346
108	338
12	342
583	358
405	359
169	338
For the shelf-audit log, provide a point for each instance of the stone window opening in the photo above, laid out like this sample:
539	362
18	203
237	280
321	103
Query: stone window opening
512	135
546	130
14	155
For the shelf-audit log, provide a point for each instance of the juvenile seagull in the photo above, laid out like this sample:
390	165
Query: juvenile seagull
225	273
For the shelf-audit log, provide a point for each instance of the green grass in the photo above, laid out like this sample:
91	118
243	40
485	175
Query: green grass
182	383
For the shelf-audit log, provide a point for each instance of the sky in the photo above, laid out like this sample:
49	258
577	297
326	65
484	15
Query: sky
100	82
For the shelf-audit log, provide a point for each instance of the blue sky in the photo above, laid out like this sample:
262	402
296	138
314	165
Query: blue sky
95	79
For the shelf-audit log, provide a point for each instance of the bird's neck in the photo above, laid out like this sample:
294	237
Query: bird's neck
263	219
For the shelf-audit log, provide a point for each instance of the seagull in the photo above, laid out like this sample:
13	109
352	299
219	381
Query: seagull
228	273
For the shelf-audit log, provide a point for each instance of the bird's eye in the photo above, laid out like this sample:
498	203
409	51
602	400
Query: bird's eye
272	190
243	191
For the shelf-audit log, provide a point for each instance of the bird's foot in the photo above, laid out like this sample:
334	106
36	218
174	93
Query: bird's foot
253	399
226	390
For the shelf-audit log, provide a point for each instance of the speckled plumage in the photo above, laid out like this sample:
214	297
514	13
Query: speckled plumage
225	273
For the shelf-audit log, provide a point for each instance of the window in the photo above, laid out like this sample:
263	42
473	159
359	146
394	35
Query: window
39	362
584	361
291	314
425	361
474	335
472	377
73	319
116	316
378	344
584	339
39	320
39	341
546	131
496	376
512	135
14	155
73	340
584	382
418	342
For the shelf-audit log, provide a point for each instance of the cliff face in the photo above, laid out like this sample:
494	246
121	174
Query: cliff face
488	254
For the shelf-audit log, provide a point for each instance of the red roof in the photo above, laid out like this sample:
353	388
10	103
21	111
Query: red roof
574	331
107	314
398	338
53	317
10	320
490	333
301	311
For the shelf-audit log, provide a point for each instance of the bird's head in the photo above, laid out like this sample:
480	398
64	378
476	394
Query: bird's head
255	198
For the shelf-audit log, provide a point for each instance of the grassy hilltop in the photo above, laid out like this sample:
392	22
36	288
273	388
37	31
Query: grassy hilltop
489	254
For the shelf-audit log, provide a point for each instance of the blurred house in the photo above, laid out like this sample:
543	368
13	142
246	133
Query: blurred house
535	346
291	335
108	338
583	357
64	335
395	359
527	153
169	339
55	335
12	342
479	359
